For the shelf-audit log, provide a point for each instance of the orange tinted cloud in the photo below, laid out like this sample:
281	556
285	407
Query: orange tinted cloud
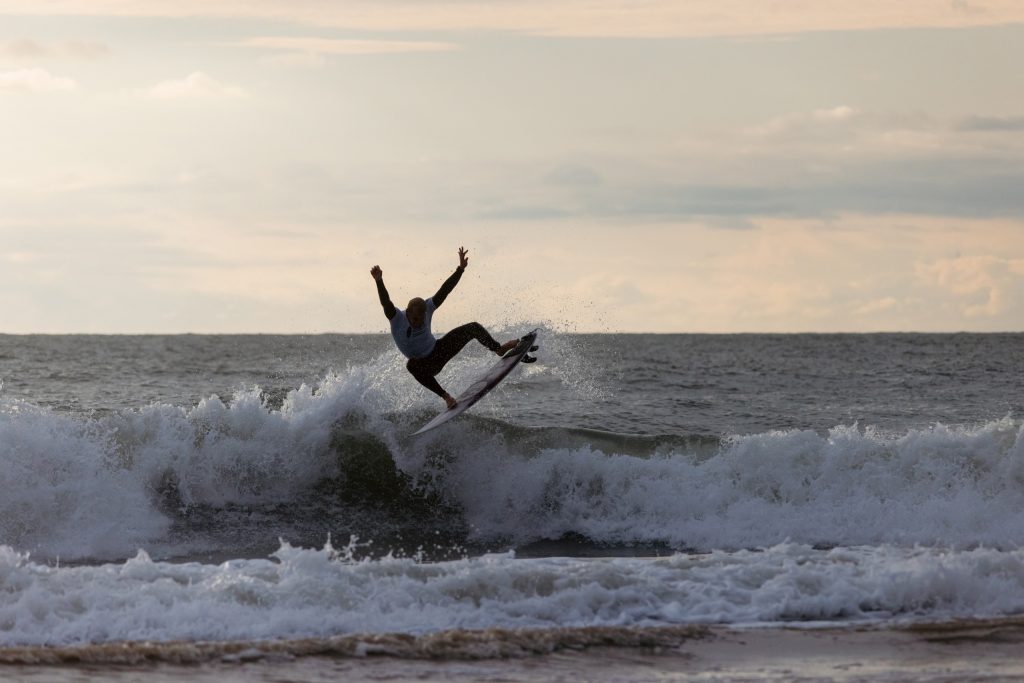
621	18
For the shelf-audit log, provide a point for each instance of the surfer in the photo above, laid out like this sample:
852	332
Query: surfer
411	331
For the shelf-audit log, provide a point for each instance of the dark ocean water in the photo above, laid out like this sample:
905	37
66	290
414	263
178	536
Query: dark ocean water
185	487
712	385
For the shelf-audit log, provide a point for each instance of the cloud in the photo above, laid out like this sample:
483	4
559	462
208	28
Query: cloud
879	187
579	18
988	124
22	49
968	7
775	186
846	160
877	306
574	175
818	163
300	48
519	213
828	116
845	125
827	161
80	49
196	85
25	50
33	81
982	286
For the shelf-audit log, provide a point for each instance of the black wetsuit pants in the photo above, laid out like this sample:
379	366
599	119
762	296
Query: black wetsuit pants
426	368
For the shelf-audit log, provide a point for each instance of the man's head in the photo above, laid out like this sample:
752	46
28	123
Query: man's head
416	312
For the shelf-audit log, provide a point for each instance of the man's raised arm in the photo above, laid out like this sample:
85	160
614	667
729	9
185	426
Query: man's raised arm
452	280
382	292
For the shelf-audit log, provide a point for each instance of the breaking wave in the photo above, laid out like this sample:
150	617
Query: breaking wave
101	487
302	593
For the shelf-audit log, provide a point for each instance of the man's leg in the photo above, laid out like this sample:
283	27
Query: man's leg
425	369
449	345
424	374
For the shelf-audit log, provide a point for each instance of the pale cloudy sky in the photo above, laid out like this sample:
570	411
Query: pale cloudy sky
727	165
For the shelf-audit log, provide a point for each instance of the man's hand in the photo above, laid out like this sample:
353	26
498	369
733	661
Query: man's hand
463	259
376	272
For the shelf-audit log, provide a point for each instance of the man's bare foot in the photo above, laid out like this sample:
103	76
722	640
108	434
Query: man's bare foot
506	347
450	401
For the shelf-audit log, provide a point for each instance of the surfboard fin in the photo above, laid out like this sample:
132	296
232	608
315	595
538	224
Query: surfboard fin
528	359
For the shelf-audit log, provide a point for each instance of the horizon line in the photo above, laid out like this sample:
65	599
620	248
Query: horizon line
572	332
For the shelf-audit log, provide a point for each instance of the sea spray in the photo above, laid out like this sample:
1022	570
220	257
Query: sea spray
64	493
97	487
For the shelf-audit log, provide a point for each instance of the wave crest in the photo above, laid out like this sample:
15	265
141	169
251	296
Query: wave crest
100	487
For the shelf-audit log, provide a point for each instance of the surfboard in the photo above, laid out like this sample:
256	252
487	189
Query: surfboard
487	381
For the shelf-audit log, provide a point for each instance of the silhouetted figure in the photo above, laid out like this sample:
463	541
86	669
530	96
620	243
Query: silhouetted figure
411	331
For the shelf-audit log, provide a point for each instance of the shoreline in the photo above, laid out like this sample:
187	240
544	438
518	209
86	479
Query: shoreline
935	651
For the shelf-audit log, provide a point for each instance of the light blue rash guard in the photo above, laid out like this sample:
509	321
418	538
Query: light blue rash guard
414	343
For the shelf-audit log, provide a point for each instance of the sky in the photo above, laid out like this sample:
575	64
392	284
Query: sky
221	166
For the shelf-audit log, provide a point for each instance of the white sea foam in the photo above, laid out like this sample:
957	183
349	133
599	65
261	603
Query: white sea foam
62	491
310	593
940	486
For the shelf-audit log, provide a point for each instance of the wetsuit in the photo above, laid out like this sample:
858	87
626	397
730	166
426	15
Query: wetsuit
426	360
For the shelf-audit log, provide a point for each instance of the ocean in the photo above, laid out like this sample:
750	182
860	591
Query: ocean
237	501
